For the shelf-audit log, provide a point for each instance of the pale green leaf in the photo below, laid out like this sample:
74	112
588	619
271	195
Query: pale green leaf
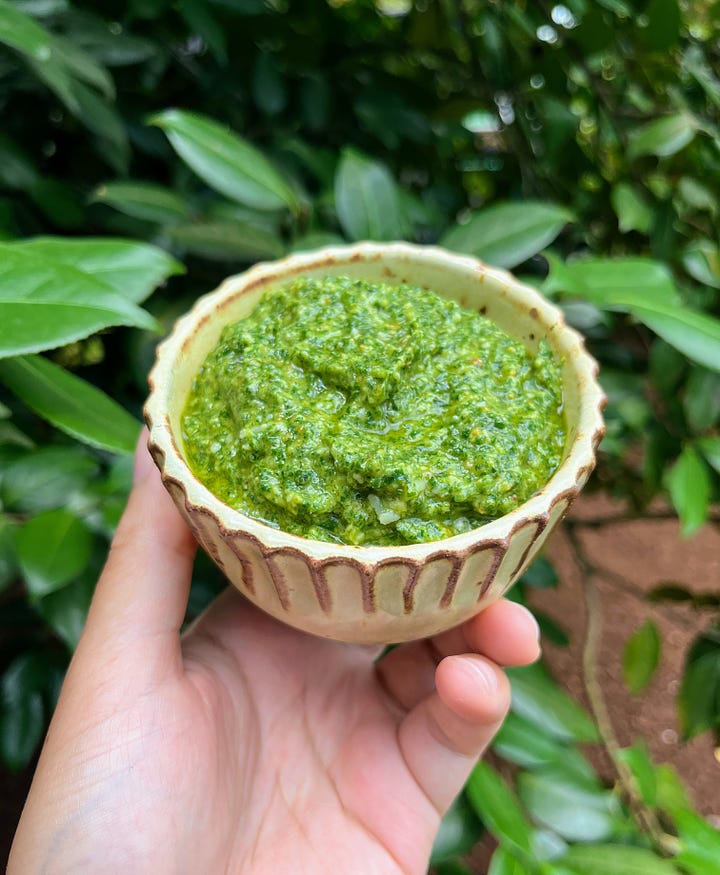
225	161
506	234
52	548
631	208
615	860
662	137
697	335
689	487
702	261
641	657
144	200
226	241
367	200
637	758
45	478
70	404
710	448
498	808
132	269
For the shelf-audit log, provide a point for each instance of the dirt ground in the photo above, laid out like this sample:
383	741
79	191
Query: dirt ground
631	557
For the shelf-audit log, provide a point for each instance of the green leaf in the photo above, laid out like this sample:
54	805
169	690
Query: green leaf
226	241
699	697
498	808
612	283
615	860
710	448
662	137
45	304
641	657
662	20
697	335
702	261
701	401
572	810
538	698
367	200
631	208
8	559
66	609
225	161
144	200
316	240
206	26
459	831
637	758
504	862
701	841
22	724
520	742
69	403
506	234
132	269
52	548
45	478
541	574
689	487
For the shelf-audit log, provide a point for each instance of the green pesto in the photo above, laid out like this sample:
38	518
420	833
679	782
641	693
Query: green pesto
372	414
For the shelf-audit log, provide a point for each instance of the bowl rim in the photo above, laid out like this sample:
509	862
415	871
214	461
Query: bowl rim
564	484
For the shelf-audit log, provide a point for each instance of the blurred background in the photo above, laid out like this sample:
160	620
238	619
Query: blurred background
150	148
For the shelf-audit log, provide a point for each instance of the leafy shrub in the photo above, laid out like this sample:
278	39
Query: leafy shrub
577	143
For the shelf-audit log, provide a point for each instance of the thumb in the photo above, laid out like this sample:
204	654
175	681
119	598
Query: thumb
443	736
143	589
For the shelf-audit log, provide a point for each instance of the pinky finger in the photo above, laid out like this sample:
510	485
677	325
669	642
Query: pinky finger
443	736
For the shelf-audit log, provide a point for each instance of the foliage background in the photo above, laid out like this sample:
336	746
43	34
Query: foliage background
578	144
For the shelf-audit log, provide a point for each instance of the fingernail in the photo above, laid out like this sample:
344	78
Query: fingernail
143	460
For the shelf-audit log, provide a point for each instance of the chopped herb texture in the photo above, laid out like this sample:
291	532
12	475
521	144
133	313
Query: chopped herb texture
360	413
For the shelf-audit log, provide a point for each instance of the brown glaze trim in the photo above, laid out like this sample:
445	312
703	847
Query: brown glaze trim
278	579
540	524
451	584
246	564
500	552
366	574
409	588
320	585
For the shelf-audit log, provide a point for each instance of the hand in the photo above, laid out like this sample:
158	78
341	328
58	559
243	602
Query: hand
245	746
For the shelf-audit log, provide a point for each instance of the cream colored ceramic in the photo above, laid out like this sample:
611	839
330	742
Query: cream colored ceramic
374	594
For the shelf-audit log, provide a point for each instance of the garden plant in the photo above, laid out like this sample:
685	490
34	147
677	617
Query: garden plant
150	148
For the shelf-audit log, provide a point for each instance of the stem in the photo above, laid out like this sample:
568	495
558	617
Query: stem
643	815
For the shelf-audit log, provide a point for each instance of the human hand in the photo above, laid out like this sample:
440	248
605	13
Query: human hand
245	746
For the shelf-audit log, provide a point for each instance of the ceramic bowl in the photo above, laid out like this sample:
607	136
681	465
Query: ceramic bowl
374	594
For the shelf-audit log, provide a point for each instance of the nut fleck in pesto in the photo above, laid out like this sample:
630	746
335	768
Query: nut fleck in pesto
363	413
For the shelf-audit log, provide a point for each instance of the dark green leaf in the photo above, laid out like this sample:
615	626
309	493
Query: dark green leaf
662	137
206	26
316	240
670	592
459	831
541	574
22	724
710	448
225	161
662	20
45	304
268	87
572	810
8	559
641	657
689	486
702	261
52	548
498	808
506	234
66	608
699	697
144	200
538	698
631	208
367	200
615	860
451	867
132	269
226	241
551	630
702	399
70	404
45	478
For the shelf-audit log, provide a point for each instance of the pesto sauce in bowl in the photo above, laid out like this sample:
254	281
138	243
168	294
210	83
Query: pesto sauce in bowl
360	413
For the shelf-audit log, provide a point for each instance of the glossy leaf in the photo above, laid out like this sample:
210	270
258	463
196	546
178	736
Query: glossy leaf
615	860
66	608
366	199
22	724
662	137
699	697
701	844
689	486
459	831
225	161
144	200
132	269
641	657
499	808
71	404
697	335
539	699
702	261
45	478
8	560
520	742
45	304
571	810
701	401
710	448
504	862
53	548
506	234
631	208
226	241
